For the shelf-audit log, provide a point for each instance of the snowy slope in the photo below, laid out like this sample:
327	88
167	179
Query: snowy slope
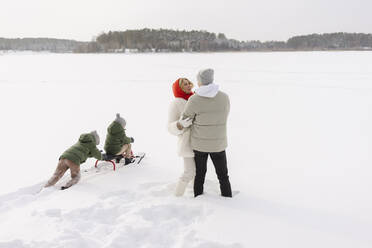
107	209
299	151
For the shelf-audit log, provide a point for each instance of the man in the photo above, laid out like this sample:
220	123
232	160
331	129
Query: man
207	111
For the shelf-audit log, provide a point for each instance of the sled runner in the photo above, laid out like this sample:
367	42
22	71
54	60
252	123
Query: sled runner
115	159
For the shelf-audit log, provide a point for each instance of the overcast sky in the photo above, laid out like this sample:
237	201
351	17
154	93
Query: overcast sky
238	19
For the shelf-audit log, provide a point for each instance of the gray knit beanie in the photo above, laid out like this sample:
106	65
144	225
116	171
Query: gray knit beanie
205	76
120	120
96	137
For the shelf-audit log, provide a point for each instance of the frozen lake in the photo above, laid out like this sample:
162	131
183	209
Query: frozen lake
300	131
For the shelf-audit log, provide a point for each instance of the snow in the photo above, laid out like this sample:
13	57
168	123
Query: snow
299	151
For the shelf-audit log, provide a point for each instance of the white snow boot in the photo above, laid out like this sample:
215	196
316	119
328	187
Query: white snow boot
180	188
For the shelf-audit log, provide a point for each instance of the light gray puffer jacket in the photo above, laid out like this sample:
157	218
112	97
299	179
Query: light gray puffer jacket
209	109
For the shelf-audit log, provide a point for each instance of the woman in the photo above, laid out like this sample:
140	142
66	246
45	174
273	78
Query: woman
182	91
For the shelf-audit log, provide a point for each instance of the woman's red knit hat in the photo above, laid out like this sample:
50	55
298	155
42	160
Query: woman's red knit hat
178	92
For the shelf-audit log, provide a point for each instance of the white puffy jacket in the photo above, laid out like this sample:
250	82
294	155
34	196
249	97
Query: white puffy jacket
175	110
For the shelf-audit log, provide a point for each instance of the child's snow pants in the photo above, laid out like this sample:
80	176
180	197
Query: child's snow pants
62	167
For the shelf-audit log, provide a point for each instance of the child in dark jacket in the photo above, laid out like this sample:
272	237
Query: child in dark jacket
74	156
117	142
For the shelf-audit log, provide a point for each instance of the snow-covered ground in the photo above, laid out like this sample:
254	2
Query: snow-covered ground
300	151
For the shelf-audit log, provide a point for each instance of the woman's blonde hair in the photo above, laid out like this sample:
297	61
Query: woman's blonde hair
181	80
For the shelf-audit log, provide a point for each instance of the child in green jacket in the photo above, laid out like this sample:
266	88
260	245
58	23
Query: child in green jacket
117	142
86	147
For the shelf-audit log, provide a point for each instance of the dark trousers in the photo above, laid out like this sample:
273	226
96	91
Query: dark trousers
220	165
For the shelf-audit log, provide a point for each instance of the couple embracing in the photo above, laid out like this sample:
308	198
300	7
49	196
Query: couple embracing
199	120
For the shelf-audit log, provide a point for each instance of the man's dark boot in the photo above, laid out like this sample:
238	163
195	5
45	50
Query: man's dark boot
226	188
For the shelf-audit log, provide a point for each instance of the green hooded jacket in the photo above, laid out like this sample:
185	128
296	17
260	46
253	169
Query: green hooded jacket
83	149
115	138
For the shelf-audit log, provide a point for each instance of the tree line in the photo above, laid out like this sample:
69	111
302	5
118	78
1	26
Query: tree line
165	40
40	44
332	41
